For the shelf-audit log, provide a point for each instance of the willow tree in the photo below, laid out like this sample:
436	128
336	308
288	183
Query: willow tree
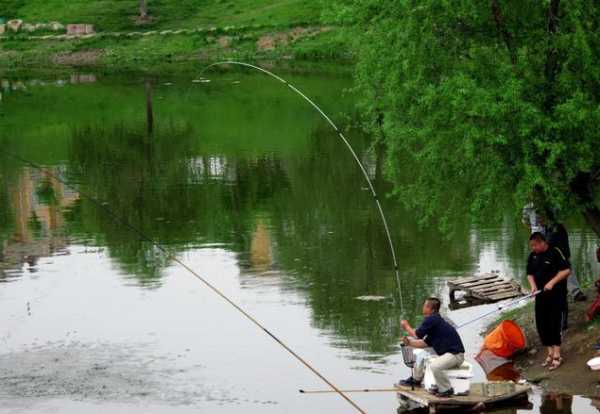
482	102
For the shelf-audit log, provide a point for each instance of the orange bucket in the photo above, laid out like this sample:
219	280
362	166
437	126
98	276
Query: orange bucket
505	340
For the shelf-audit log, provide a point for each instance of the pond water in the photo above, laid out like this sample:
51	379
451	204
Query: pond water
245	183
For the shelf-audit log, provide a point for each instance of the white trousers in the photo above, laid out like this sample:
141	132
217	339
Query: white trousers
437	365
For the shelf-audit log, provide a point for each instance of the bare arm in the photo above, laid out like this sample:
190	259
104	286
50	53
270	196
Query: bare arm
409	329
532	283
560	276
415	343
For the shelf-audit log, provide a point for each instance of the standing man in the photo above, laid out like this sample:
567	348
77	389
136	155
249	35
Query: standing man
438	334
548	269
559	237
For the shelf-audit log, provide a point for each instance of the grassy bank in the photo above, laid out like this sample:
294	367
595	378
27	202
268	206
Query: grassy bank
175	32
122	15
574	377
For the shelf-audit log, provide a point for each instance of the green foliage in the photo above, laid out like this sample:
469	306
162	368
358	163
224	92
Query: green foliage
481	99
9	9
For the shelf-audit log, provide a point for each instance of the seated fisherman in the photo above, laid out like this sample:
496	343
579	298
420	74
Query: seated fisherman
438	334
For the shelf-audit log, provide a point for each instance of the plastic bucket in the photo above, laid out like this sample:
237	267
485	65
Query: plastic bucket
505	340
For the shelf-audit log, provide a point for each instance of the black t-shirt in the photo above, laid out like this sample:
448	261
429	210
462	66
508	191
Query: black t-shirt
544	266
440	335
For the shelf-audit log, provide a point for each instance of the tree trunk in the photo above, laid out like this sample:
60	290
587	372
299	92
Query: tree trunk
149	109
582	187
552	64
592	216
143	9
503	31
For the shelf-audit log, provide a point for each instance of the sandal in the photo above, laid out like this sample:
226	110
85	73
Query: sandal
548	361
556	363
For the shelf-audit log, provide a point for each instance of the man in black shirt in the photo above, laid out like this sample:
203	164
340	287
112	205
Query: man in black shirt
547	270
438	334
557	236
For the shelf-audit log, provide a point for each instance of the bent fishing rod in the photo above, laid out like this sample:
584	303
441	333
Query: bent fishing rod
169	255
348	146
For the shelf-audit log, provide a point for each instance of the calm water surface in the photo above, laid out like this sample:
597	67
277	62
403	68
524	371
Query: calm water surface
245	183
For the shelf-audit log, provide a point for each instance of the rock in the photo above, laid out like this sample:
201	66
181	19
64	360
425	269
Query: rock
27	27
14	25
56	26
224	42
80	29
539	378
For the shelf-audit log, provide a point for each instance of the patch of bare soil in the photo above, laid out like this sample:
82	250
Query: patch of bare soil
273	40
80	58
574	376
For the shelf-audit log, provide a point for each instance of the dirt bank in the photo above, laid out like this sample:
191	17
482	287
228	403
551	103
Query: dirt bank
574	377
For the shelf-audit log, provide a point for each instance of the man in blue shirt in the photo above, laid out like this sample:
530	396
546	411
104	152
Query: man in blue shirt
434	332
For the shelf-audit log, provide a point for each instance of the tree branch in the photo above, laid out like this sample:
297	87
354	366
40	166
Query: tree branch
552	66
581	186
504	33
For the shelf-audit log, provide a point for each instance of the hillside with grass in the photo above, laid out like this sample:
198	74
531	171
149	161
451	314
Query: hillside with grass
167	31
122	15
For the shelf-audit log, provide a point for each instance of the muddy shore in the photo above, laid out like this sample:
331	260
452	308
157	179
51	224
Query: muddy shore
573	377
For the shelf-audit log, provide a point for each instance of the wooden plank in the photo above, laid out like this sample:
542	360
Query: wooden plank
472	279
480	393
478	282
493	286
496	288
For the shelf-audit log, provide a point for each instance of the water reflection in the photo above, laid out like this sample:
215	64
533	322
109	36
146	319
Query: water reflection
554	403
250	169
33	206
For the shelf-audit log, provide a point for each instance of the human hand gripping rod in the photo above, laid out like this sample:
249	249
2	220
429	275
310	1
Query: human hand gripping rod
499	308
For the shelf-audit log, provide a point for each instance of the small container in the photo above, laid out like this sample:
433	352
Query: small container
594	364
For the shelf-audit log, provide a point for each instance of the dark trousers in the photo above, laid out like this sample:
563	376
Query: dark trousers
549	319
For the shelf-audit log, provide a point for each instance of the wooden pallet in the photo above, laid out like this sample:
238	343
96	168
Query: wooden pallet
486	288
481	396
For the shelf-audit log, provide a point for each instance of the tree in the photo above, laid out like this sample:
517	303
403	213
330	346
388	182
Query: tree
499	97
143	9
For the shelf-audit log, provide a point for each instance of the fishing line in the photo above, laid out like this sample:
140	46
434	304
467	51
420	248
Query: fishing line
348	146
499	308
169	255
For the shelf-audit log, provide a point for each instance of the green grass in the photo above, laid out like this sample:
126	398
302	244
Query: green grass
242	21
120	15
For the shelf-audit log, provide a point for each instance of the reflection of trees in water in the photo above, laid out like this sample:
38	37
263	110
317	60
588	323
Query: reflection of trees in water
170	193
329	233
143	181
